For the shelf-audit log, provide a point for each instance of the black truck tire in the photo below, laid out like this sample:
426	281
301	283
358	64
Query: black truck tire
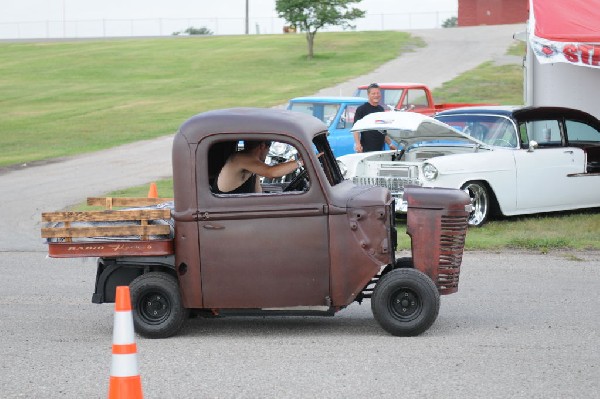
405	302
157	308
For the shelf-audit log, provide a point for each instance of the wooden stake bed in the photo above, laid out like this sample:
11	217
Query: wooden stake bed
95	233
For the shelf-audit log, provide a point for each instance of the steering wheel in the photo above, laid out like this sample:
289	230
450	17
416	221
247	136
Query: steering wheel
299	182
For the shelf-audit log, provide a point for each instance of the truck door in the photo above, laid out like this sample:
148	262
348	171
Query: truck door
263	250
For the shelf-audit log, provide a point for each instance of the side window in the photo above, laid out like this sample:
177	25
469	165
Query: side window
329	113
545	132
523	135
417	97
325	112
578	131
391	97
347	118
228	176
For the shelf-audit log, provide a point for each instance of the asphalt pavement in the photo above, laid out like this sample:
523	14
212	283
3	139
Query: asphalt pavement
522	325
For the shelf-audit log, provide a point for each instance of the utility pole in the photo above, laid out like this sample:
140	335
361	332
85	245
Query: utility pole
247	23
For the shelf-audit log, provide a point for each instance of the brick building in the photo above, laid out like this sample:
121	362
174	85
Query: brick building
492	12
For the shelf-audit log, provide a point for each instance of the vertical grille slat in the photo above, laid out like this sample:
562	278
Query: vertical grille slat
452	241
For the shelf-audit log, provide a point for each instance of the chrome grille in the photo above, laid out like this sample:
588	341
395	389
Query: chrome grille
390	171
394	184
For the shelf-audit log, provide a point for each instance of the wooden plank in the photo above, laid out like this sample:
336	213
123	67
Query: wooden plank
107	216
109	202
105	231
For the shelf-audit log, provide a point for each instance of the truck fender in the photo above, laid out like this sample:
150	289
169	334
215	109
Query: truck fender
113	272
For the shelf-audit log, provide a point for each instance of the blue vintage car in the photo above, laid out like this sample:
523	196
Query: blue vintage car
337	113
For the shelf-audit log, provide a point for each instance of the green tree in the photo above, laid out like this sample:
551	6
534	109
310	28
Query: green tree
311	15
450	22
195	31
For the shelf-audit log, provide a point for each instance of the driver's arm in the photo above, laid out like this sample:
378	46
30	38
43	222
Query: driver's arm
271	171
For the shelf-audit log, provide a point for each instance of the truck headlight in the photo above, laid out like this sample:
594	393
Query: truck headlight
430	172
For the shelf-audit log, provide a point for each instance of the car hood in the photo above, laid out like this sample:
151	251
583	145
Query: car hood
411	127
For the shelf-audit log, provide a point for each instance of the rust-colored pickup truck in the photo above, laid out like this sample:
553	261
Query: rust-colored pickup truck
309	247
414	97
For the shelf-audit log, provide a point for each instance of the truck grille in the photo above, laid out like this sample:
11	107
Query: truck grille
452	241
394	184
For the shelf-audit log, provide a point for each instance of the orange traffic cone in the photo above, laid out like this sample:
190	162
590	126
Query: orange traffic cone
152	192
125	380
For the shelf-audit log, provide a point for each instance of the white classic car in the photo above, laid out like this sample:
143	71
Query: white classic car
510	160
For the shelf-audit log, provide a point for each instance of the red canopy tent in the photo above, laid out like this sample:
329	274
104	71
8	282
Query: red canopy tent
565	31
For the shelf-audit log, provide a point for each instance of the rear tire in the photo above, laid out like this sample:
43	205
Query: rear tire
157	308
405	302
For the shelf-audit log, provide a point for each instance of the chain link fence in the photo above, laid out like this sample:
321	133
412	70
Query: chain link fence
218	26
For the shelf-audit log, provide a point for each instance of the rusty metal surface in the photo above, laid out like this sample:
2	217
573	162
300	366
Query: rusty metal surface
437	225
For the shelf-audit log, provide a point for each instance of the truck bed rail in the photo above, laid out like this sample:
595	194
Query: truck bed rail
110	232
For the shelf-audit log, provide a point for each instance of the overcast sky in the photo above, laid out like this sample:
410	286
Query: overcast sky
23	19
56	10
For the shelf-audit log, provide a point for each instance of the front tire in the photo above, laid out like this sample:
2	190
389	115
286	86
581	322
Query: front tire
480	200
157	308
405	302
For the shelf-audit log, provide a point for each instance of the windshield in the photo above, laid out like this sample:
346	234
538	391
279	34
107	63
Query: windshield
327	160
494	130
325	112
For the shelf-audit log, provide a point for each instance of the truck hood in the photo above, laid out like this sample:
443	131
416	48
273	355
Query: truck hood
411	127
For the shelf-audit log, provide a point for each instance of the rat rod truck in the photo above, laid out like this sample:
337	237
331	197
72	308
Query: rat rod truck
308	247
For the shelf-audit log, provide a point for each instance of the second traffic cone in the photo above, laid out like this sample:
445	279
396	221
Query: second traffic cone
152	192
125	380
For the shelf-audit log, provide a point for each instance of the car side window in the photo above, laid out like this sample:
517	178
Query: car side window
417	98
545	132
581	132
347	117
523	135
391	97
325	112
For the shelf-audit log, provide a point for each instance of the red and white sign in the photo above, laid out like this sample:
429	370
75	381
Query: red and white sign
565	31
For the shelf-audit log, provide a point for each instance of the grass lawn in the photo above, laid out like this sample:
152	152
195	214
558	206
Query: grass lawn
63	98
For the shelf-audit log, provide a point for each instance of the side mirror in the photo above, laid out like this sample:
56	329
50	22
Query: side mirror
532	146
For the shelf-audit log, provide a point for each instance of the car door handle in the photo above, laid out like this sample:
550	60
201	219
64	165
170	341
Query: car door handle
569	152
213	227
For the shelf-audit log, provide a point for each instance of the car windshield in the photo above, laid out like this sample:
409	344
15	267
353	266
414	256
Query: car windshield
389	97
495	130
325	112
